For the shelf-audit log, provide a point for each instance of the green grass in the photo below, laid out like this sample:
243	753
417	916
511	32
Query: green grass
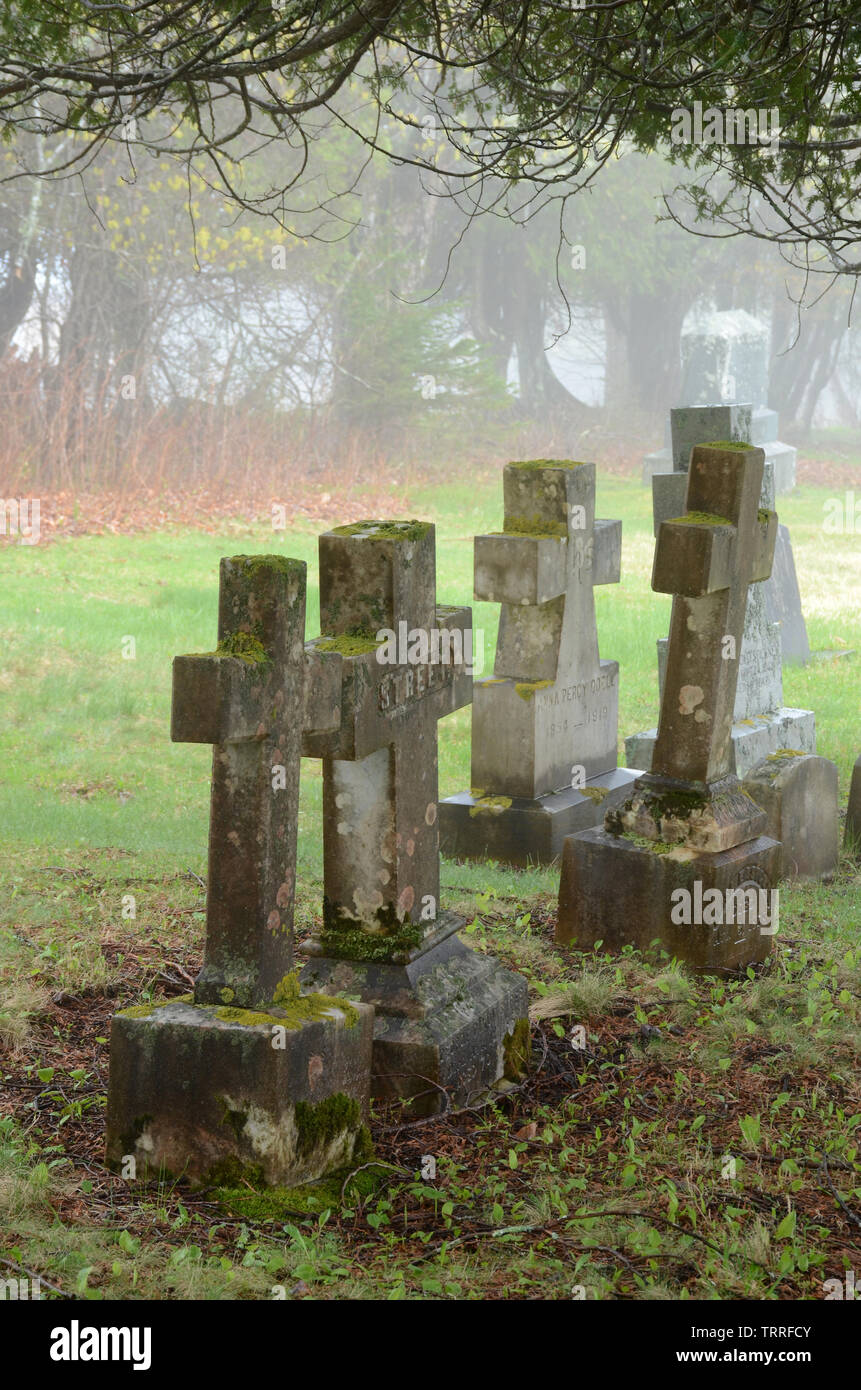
605	1174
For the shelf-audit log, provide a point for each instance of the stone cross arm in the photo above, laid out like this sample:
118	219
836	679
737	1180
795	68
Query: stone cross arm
530	570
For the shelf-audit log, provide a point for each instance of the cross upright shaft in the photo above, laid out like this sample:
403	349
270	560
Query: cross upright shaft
706	559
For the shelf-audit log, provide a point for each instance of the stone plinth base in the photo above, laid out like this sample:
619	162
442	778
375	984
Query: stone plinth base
798	793
618	891
218	1095
752	739
519	831
449	1022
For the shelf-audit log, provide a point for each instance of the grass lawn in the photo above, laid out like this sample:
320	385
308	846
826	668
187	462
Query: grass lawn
680	1154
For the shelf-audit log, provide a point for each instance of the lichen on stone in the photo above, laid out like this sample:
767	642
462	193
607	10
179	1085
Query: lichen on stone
526	689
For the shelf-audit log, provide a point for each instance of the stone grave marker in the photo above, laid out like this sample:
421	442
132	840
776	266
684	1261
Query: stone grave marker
762	725
852	834
545	725
249	1078
449	1022
685	857
798	792
724	360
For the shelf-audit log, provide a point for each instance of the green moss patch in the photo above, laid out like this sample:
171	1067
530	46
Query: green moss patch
546	463
244	646
392	530
144	1010
534	526
699	519
354	643
491	804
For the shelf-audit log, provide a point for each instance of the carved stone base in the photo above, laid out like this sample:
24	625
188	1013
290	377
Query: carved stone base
519	831
449	1023
624	892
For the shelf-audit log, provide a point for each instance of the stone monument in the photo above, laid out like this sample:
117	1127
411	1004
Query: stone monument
249	1078
762	725
684	860
724	356
449	1022
545	725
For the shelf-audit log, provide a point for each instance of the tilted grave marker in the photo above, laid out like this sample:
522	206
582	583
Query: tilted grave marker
449	1022
248	1079
545	725
762	725
852	833
689	829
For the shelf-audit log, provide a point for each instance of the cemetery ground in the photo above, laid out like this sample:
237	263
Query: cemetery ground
702	1143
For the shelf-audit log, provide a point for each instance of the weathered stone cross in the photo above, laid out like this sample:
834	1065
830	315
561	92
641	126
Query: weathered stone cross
380	832
552	702
706	559
246	699
449	1022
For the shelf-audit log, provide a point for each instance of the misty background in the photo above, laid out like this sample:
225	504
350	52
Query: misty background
153	334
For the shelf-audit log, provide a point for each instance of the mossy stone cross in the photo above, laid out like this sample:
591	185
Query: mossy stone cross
246	698
706	559
380	831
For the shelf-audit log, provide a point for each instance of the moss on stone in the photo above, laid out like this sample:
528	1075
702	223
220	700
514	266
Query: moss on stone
395	938
290	1008
546	463
244	646
282	564
491	804
739	444
517	1051
319	1125
232	1171
144	1010
699	519
526	689
392	530
356	642
534	526
596	794
643	842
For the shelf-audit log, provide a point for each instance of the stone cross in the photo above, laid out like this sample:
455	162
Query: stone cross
706	559
551	702
380	831
246	699
544	726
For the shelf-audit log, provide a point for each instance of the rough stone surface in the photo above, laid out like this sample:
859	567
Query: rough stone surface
445	1019
217	1100
545	724
783	603
852	834
689	826
798	792
638	910
381	827
762	724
